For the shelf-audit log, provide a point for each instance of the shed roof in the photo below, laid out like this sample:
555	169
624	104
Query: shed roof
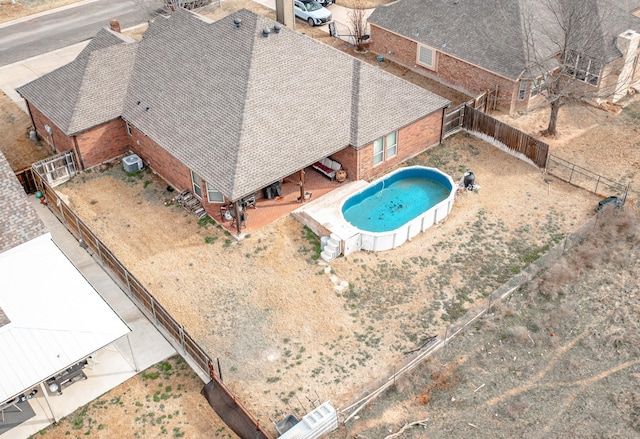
54	316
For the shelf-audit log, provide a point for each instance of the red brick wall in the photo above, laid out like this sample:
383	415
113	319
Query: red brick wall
451	71
158	159
412	140
103	142
61	141
348	158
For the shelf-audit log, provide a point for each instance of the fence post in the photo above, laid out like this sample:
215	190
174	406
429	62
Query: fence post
573	167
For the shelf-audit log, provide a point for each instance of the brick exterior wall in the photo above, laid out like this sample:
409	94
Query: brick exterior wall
159	160
450	71
103	142
348	158
96	145
61	141
412	140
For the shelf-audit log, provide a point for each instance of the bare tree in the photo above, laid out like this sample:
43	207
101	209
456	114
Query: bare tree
568	42
358	24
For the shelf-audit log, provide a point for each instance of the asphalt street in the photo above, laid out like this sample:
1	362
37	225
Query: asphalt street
45	33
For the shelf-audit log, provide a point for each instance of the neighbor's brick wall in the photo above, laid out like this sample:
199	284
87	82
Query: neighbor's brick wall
451	71
61	141
412	140
103	142
158	159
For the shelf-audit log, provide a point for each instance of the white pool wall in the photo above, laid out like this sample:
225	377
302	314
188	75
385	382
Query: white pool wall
381	241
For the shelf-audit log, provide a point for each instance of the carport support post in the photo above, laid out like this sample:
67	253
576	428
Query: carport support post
46	398
302	185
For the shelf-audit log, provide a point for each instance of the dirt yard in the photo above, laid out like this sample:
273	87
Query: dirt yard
11	10
287	329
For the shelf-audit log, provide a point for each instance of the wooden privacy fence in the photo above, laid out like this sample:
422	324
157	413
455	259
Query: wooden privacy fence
25	177
477	122
582	177
145	301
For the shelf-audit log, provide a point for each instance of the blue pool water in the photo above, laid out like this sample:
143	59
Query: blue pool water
393	201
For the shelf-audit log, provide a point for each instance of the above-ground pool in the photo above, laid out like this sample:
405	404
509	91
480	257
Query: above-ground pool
397	207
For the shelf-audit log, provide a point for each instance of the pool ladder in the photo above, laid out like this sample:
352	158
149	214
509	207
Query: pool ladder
331	249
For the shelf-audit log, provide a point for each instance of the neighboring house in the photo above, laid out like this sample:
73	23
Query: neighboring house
51	318
480	45
227	108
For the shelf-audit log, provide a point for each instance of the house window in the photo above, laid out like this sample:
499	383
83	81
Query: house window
539	86
582	67
522	90
385	147
426	57
195	179
213	195
378	151
392	144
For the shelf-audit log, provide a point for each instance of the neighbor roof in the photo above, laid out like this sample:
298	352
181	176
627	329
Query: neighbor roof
496	34
88	91
244	110
55	317
19	221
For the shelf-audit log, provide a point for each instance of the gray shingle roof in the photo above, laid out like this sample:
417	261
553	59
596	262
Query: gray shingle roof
19	221
239	109
243	110
494	34
88	91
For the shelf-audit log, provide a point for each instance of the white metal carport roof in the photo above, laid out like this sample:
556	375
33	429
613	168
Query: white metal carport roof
56	318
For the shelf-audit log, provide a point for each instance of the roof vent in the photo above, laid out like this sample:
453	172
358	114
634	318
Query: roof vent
277	27
265	32
237	22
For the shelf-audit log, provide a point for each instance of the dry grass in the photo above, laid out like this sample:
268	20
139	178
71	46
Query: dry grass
11	11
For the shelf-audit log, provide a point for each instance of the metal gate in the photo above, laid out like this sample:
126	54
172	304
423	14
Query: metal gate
57	169
453	120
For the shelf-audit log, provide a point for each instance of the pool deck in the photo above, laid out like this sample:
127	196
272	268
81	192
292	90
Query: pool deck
323	215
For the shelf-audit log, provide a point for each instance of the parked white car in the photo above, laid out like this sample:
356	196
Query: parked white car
312	12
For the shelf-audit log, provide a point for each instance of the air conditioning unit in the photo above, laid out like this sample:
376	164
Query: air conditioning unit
132	163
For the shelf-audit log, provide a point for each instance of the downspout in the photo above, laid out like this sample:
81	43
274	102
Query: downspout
442	124
77	148
33	122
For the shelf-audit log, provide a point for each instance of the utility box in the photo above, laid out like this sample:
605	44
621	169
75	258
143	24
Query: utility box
132	163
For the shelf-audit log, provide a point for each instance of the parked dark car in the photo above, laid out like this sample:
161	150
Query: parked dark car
616	201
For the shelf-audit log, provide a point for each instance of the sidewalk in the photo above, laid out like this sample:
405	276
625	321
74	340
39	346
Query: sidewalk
113	365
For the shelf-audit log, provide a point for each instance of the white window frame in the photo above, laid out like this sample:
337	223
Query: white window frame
538	86
385	148
522	90
214	196
378	151
432	65
391	147
582	67
197	184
